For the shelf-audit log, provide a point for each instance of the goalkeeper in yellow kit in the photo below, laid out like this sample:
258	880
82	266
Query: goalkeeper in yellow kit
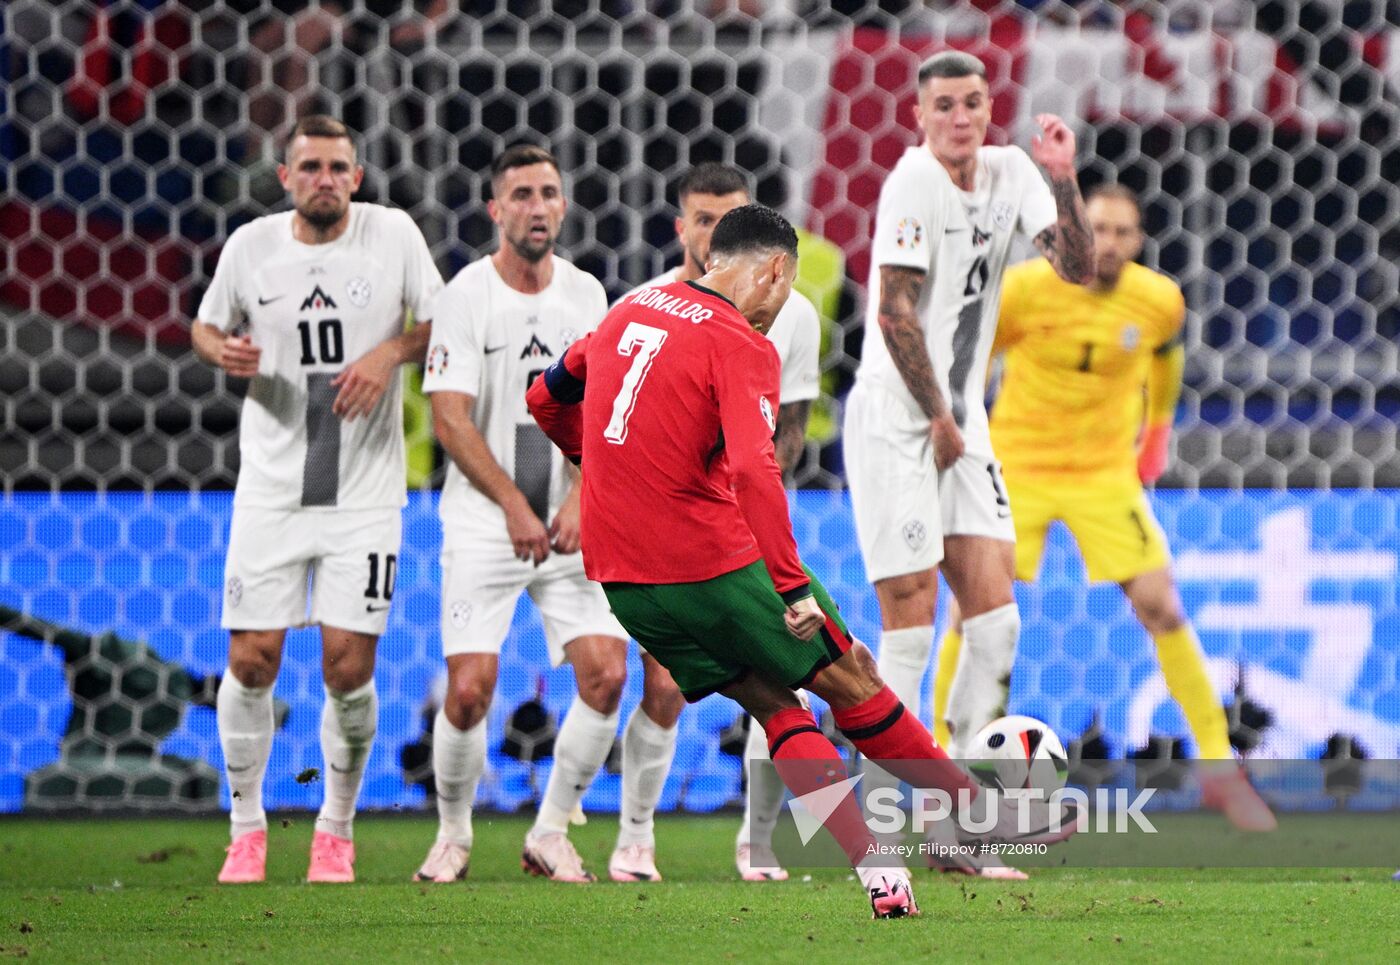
1077	442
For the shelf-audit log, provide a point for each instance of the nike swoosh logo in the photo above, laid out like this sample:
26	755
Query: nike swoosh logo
233	769
343	770
269	301
371	608
490	350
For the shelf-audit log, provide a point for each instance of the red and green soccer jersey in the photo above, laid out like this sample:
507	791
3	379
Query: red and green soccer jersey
675	432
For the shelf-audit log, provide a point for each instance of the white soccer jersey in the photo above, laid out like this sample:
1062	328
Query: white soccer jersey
490	341
796	334
314	309
962	240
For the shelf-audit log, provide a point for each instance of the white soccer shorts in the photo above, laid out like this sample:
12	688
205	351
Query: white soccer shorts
903	507
482	580
347	557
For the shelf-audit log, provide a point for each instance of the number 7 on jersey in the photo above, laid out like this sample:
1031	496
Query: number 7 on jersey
640	343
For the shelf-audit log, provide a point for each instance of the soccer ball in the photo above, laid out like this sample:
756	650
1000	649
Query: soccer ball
1018	753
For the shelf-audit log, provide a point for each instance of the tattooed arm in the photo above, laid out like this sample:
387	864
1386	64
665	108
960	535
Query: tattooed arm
1068	244
791	435
900	289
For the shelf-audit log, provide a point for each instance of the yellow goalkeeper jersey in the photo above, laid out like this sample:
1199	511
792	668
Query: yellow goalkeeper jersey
1075	366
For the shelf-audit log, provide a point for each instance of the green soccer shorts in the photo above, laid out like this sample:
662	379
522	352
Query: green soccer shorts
710	634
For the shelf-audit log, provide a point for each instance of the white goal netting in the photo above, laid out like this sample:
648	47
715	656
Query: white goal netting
1263	137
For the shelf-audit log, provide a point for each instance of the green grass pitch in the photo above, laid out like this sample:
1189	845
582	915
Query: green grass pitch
142	890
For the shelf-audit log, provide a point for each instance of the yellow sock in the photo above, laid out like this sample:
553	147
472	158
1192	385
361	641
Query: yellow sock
1184	667
948	651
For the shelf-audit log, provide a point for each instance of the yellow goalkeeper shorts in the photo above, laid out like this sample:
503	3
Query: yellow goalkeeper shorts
1117	533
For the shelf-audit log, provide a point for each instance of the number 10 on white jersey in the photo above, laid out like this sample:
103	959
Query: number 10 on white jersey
641	343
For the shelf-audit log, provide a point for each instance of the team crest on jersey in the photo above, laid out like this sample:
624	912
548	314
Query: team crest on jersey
235	592
1131	337
317	299
568	336
1003	215
359	291
460	613
914	534
536	349
437	360
908	233
767	411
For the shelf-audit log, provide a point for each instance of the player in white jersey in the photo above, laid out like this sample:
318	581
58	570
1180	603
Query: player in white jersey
310	305
510	515
925	485
706	193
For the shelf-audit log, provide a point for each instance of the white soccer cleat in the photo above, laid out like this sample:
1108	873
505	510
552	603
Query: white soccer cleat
891	895
552	856
989	867
757	862
633	862
447	861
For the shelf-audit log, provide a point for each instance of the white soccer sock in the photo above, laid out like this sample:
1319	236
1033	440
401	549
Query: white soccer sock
978	694
245	733
647	751
580	748
459	758
764	801
903	661
348	722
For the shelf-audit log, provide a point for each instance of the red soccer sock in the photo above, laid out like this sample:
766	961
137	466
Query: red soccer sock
885	732
806	761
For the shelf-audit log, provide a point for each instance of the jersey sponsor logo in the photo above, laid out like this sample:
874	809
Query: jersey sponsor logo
359	291
767	411
269	301
536	349
235	592
1131	337
1003	215
460	613
915	533
437	360
317	299
908	233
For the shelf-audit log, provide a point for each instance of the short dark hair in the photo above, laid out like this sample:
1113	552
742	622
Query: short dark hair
318	125
521	156
952	63
1114	191
753	227
711	177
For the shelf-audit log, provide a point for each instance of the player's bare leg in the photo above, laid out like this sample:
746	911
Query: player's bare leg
580	748
245	721
459	759
980	571
349	719
648	747
806	761
1223	784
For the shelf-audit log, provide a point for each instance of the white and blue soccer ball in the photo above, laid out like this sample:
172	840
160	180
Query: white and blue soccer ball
1018	753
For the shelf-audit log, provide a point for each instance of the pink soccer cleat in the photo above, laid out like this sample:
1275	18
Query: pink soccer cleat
757	862
332	859
890	893
553	856
633	862
1226	788
447	861
246	861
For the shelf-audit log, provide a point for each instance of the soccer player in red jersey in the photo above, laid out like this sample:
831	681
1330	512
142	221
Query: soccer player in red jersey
685	523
